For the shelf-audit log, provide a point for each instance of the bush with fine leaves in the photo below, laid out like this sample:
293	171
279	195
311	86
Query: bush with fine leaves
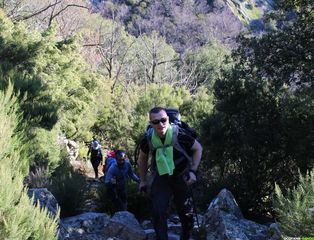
19	218
296	208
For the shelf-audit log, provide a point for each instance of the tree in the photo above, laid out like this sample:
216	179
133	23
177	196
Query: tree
17	208
196	110
155	60
54	83
253	134
113	47
40	15
202	66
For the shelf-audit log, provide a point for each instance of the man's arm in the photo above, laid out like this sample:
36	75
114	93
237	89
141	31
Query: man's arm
196	159
110	174
142	166
197	155
132	174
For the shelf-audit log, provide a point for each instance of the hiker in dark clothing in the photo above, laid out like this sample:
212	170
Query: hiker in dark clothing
115	180
96	155
172	173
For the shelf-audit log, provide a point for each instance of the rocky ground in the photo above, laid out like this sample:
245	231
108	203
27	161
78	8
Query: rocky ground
223	220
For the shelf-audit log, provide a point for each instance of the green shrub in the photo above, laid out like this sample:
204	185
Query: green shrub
19	218
106	204
44	148
68	187
83	151
296	208
138	204
39	178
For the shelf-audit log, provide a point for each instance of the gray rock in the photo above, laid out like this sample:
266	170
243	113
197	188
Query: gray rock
275	232
125	226
226	203
84	226
224	220
45	200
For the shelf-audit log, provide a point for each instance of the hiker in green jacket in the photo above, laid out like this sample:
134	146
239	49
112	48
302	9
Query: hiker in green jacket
173	173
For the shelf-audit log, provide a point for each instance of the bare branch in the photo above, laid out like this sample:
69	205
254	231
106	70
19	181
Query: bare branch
67	6
37	13
52	15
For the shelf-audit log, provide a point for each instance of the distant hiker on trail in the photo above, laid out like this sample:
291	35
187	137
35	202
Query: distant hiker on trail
96	156
115	180
173	173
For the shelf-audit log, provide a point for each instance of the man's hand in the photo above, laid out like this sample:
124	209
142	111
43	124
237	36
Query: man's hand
142	186
190	178
113	181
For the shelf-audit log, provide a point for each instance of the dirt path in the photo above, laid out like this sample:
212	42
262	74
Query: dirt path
90	198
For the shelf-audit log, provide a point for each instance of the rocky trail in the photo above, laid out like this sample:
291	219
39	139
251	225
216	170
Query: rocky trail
223	220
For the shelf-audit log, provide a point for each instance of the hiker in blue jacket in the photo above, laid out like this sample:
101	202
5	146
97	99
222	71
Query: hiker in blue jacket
115	180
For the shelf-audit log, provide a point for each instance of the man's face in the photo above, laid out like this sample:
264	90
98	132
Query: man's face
159	122
120	159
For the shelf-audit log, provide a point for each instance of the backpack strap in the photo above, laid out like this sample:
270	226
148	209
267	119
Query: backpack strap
175	144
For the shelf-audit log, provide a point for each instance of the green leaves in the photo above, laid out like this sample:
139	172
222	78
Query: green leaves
19	218
262	105
295	208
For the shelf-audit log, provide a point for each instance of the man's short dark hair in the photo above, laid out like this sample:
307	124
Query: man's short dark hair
156	110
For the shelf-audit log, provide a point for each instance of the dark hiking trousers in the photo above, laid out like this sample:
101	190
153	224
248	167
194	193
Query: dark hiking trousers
95	163
118	196
162	189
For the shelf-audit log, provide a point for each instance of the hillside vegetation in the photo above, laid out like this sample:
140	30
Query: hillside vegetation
70	70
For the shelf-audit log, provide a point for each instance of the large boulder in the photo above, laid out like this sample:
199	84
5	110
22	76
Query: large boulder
84	226
123	225
223	220
91	226
45	199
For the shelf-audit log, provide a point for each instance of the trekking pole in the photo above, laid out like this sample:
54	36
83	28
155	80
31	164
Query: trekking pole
194	206
194	209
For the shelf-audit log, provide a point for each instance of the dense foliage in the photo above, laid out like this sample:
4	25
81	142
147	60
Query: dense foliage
261	131
253	109
53	81
19	218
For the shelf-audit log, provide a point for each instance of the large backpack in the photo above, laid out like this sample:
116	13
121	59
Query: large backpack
108	162
178	126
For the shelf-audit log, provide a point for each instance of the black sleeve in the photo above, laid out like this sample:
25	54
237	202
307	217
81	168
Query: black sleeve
144	145
186	141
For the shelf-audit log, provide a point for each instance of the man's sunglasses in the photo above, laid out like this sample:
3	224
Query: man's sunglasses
157	121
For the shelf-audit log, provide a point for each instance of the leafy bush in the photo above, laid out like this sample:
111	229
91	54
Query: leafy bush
68	187
46	152
39	178
19	218
296	208
138	204
106	204
83	151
